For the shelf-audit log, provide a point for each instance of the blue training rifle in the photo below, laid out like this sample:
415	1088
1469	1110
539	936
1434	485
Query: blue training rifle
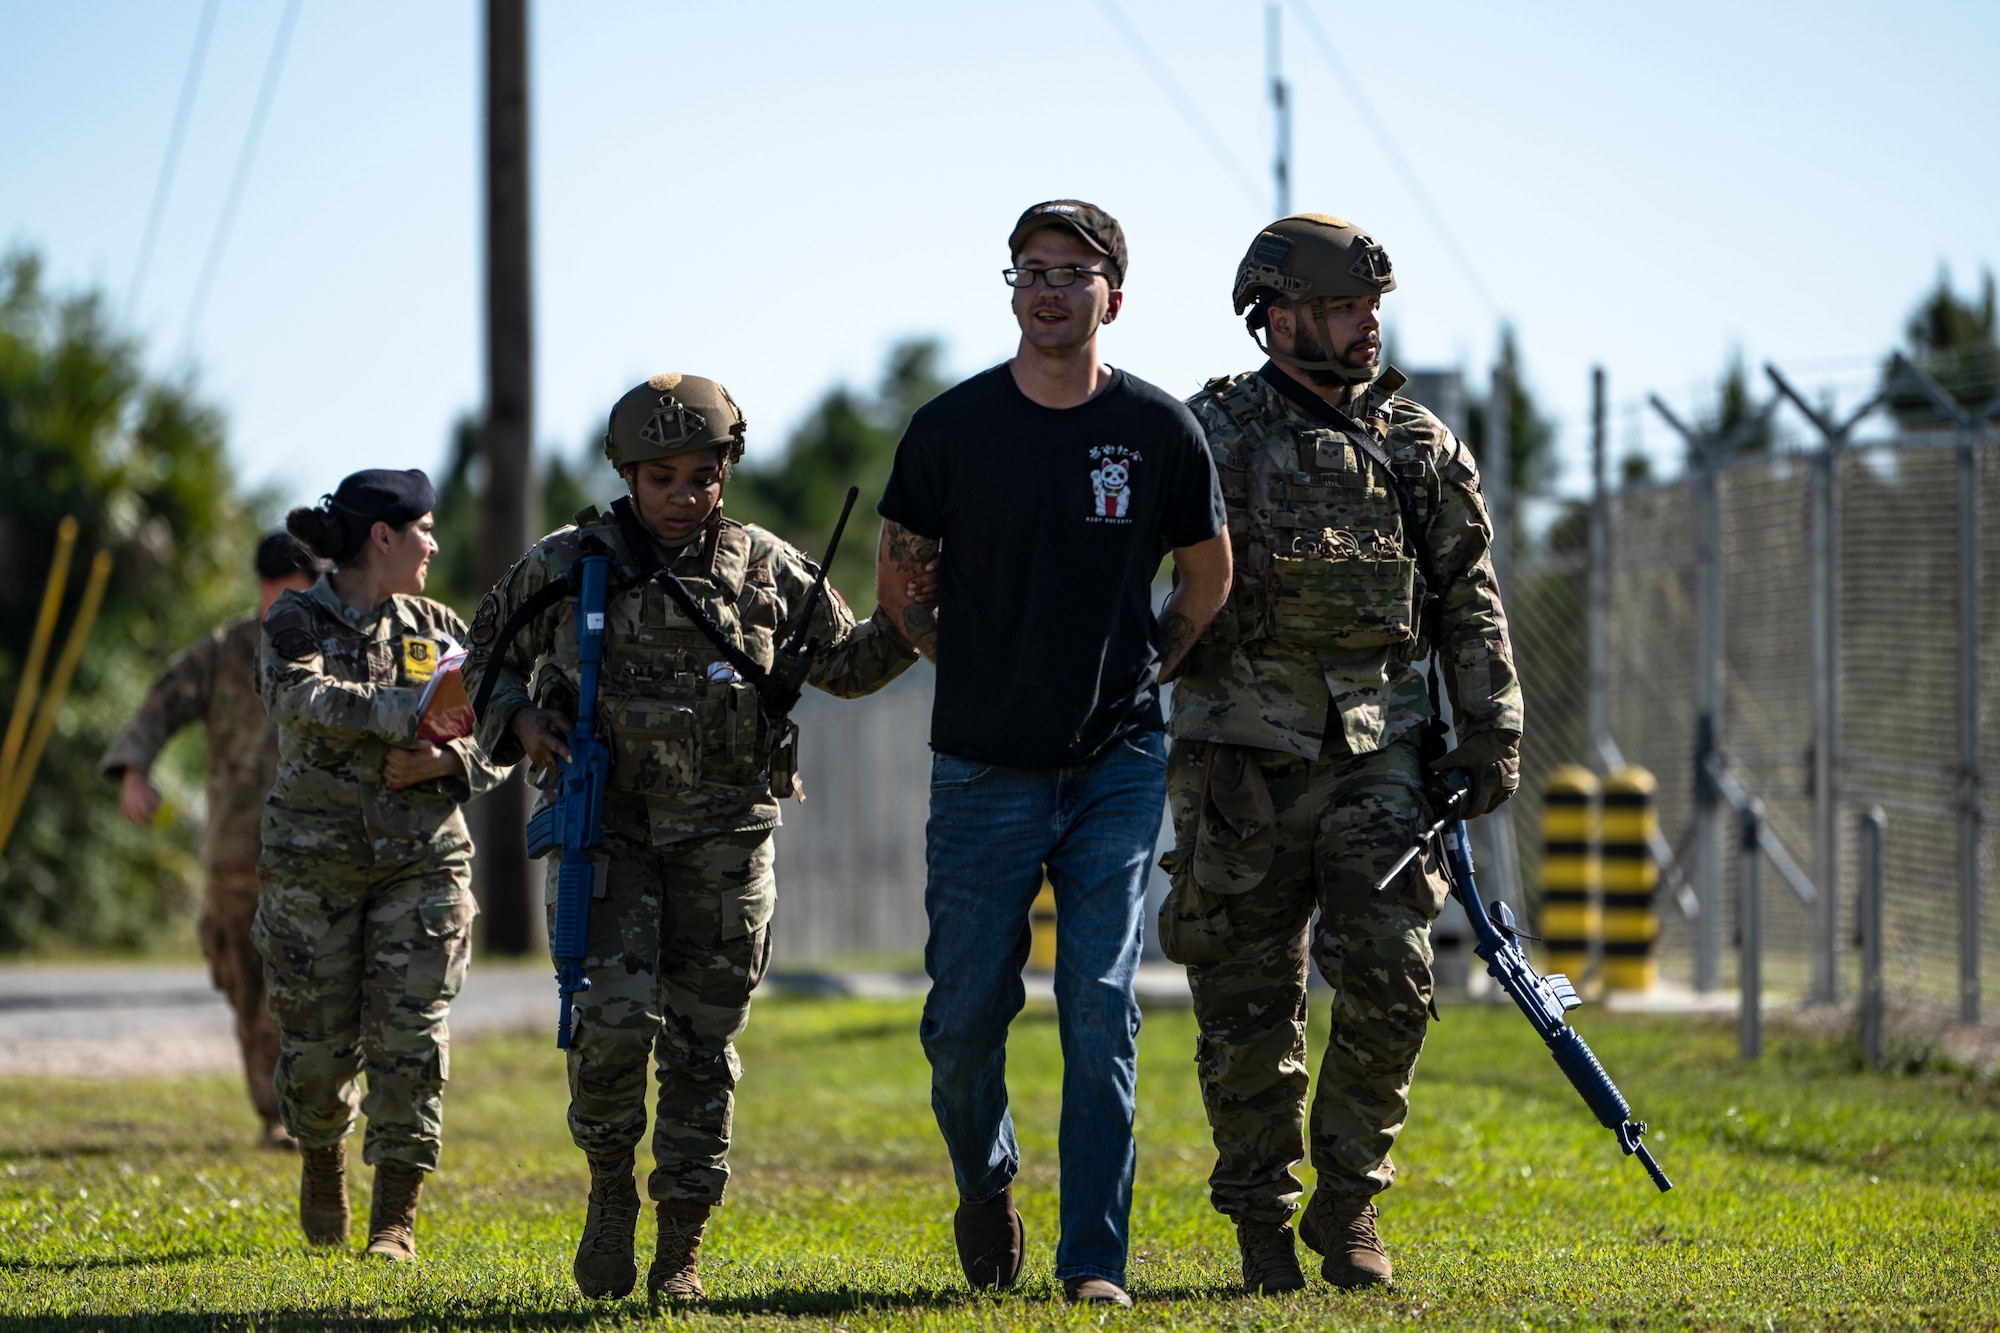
1543	999
574	821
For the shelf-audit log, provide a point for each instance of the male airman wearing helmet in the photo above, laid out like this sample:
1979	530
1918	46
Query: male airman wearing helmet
680	927
1298	768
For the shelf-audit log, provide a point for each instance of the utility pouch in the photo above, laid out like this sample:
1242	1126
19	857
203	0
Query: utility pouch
735	738
1235	833
784	764
655	746
1326	592
1193	925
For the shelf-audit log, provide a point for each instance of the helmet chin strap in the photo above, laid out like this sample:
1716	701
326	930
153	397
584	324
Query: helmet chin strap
1338	369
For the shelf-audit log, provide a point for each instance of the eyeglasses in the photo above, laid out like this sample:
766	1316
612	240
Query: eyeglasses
1063	275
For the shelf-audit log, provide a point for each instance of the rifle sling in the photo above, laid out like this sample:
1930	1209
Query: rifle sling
646	556
541	600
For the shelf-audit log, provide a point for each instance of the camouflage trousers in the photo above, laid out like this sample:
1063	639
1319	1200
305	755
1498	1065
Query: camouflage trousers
678	940
362	964
1257	869
228	911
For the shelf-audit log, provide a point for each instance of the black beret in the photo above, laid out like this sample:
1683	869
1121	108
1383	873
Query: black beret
385	495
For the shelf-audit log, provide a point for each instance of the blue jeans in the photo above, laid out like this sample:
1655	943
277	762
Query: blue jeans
991	831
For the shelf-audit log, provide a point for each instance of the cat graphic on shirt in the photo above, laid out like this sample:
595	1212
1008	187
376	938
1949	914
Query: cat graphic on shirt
1111	484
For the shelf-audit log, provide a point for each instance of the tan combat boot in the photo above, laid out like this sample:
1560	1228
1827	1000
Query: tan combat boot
675	1273
323	1212
392	1217
1270	1262
604	1267
1343	1230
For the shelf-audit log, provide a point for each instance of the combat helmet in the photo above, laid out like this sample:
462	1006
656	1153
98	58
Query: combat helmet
1300	260
673	414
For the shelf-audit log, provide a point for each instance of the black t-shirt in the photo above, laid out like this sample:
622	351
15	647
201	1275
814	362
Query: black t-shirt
1053	523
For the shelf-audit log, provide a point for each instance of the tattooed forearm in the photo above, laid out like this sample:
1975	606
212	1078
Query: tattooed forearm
920	623
906	585
905	548
1177	635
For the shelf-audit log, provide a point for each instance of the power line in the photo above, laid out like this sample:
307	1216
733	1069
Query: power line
273	66
1164	79
1387	142
164	185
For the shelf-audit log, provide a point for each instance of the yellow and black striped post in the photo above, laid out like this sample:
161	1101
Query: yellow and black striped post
1631	925
1570	869
1042	921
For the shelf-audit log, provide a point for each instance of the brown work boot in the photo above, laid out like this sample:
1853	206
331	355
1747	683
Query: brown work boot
392	1216
604	1267
1095	1291
1343	1230
323	1213
991	1243
1270	1262
276	1137
675	1273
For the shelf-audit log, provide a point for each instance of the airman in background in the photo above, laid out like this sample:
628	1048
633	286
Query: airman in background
1297	773
214	682
680	930
365	919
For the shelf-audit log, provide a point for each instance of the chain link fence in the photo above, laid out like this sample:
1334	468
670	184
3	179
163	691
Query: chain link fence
1858	605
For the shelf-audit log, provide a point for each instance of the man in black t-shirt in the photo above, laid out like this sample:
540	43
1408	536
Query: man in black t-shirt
1051	485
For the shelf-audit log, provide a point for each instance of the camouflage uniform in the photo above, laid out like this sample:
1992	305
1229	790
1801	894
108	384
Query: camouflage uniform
680	931
1295	777
214	682
365	920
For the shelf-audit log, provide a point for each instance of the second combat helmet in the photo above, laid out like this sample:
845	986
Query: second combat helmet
1300	260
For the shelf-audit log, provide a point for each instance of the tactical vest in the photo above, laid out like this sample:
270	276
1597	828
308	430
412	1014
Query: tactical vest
1323	558
675	716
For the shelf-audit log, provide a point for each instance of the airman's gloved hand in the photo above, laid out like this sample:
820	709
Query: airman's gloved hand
1492	759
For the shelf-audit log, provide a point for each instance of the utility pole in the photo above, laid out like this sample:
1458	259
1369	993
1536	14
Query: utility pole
1281	105
507	433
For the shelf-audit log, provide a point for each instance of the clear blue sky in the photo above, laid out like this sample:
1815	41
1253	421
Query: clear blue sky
772	194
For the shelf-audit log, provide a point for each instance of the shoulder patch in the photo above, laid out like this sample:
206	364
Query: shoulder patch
486	623
294	644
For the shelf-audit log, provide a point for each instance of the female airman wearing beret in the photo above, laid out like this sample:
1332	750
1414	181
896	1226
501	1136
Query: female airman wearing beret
365	911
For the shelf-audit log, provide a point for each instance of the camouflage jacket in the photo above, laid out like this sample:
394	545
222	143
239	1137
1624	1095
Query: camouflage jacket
1317	649
343	687
692	753
214	682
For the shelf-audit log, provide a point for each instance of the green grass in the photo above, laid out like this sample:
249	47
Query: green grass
1809	1194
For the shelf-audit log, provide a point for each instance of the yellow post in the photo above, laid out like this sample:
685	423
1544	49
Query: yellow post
30	683
1042	920
52	700
1631	925
1571	871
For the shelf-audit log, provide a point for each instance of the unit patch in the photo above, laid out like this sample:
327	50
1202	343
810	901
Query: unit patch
294	644
420	658
486	624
